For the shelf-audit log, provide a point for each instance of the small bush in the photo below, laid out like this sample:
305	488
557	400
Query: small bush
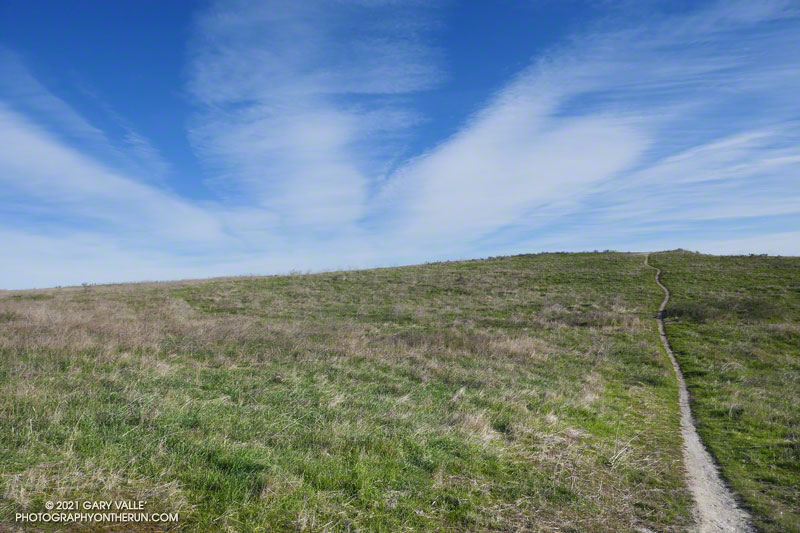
7	316
738	307
692	310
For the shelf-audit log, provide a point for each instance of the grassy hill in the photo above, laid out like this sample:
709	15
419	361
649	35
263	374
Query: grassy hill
526	392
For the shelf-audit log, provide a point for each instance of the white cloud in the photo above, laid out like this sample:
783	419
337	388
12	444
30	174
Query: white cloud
507	162
623	129
781	243
134	153
35	165
18	85
284	121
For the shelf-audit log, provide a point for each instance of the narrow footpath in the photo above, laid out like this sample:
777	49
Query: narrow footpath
715	508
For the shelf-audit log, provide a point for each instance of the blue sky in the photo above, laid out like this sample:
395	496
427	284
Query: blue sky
163	140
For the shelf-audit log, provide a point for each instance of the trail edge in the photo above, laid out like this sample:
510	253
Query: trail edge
715	508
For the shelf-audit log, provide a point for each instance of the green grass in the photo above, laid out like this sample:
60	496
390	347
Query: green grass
734	324
520	393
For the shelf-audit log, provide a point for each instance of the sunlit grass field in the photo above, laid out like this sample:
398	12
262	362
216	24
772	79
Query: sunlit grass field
520	393
524	393
734	324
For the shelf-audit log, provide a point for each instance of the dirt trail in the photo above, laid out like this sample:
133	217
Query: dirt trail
715	510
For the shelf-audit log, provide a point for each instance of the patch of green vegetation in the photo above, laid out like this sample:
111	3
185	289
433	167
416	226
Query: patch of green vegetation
7	316
30	296
734	324
518	393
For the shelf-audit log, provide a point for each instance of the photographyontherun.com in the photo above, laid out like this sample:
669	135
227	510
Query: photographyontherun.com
73	511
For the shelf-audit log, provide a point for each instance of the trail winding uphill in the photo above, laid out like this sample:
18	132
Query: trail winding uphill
716	510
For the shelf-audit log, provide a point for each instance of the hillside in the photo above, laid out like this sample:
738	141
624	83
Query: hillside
527	392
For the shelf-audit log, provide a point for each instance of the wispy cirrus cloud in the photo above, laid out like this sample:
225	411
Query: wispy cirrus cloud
682	119
301	104
19	86
37	168
132	153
